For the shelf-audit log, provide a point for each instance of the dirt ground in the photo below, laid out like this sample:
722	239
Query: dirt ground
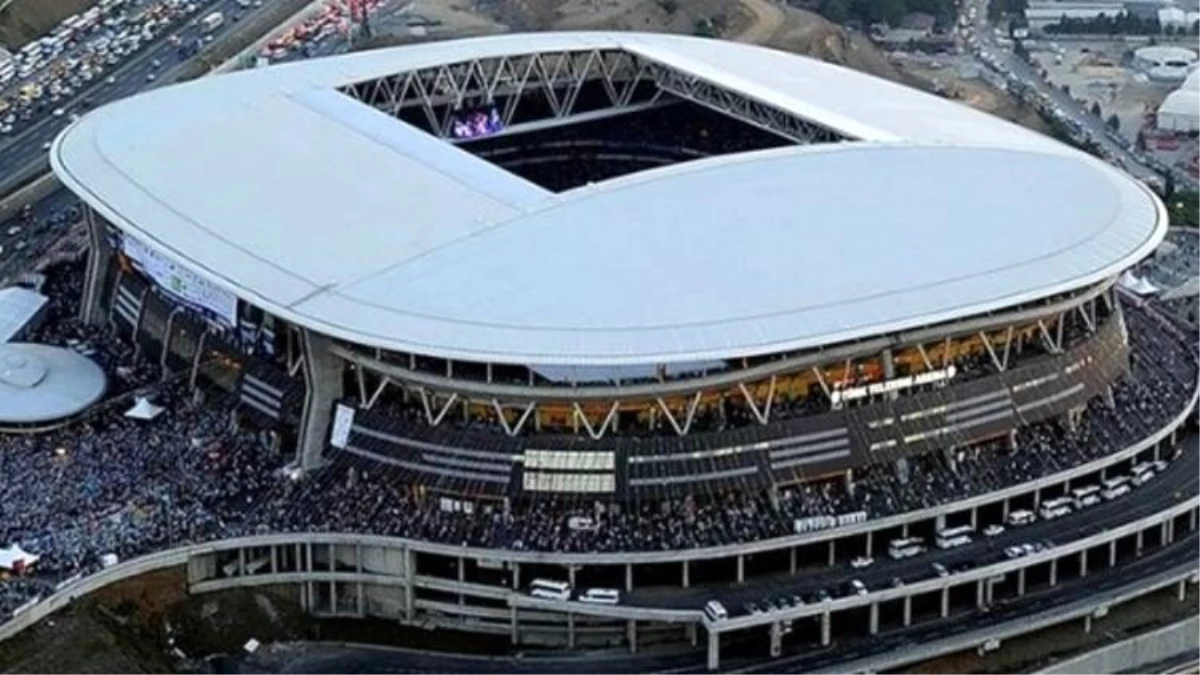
24	20
1098	75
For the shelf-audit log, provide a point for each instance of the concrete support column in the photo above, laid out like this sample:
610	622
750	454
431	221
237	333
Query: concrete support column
870	541
570	630
1112	553
776	647
741	569
323	372
1182	590
989	591
1192	520
832	552
939	522
462	578
628	577
1087	623
907	611
515	631
714	650
687	580
516	576
874	618
410	588
1021	582
1139	542
792	555
1004	510
691	631
1037	498
904	530
631	635
974	518
97	276
241	566
274	560
1165	532
945	602
826	628
1170	530
1083	563
979	593
570	575
1054	572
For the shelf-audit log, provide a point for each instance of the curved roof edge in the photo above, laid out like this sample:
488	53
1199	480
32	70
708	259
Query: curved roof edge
290	311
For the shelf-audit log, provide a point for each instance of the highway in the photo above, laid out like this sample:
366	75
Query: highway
24	150
1134	164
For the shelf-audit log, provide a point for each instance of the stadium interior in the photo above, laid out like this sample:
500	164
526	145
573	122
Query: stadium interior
564	120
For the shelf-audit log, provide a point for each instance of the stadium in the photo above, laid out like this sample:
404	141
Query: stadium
625	310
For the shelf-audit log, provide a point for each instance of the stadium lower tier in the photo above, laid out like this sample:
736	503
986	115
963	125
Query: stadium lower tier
439	443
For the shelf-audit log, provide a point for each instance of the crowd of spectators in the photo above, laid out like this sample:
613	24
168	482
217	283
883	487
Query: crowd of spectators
113	485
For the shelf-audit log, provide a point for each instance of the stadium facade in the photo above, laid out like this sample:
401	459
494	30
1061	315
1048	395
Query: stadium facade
607	267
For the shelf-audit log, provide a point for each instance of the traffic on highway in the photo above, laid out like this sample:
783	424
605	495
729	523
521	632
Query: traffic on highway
136	46
991	46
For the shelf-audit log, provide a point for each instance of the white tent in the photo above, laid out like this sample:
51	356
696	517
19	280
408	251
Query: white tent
14	556
143	409
1136	284
1180	111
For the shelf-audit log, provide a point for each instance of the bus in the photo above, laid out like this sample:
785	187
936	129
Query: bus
953	537
550	590
1087	495
600	596
1115	487
906	548
1055	508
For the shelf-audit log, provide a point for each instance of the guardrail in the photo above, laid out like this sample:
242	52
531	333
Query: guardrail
1131	655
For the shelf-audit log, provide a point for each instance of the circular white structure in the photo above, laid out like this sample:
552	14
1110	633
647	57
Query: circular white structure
40	383
1164	62
275	186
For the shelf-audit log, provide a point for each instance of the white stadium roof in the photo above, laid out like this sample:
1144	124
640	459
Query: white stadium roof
335	216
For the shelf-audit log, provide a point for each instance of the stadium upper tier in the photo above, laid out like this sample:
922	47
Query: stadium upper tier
294	189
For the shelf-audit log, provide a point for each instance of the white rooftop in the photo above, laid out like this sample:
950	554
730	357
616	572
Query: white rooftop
332	215
40	383
18	306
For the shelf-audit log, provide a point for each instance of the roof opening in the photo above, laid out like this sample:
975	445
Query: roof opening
565	119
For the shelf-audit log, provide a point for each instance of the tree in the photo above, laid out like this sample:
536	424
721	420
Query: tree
1114	122
837	11
669	6
1096	109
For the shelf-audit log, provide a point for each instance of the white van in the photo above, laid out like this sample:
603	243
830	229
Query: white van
715	611
550	590
600	596
1021	518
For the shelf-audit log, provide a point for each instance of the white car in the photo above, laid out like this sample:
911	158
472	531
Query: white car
1014	552
59	112
993	530
861	562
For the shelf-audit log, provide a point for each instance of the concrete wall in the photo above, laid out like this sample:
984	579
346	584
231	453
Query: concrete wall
1132	654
